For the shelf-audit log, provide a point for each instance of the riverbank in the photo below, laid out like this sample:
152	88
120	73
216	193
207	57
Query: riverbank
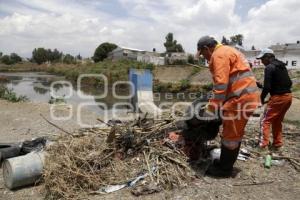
166	78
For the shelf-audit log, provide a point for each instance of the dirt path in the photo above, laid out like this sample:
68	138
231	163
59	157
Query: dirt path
20	121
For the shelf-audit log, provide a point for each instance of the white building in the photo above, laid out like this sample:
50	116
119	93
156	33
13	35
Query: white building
151	57
288	53
124	53
176	57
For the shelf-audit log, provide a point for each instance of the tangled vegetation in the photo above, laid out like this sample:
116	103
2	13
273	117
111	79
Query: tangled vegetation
10	95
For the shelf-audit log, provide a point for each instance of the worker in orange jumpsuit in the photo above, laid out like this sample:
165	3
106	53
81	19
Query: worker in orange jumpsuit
235	94
278	83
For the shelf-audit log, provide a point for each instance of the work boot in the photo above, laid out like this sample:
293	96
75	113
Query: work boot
223	168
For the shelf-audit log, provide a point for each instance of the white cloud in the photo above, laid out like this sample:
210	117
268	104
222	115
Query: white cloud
80	26
274	22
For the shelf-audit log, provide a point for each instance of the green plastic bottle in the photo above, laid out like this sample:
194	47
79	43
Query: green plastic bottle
268	161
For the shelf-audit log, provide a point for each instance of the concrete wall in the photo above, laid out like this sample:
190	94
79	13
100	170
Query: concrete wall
149	58
171	58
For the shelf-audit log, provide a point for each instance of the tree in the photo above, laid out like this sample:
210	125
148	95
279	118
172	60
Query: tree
6	60
225	41
40	55
68	59
1	54
191	59
102	51
79	57
12	59
171	44
237	39
54	56
15	58
253	48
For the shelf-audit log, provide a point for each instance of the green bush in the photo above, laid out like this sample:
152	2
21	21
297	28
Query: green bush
191	59
10	95
184	84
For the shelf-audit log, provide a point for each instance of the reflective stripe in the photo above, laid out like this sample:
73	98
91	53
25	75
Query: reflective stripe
240	76
220	87
241	92
221	97
231	144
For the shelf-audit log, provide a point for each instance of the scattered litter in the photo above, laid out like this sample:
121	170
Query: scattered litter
278	163
113	188
146	189
268	161
36	144
215	154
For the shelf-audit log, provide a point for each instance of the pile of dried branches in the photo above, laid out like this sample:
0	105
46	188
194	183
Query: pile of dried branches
83	164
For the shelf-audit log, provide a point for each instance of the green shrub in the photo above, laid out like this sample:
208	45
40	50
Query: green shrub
10	95
184	84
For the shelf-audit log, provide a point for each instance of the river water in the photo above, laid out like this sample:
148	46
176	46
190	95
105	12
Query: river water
42	87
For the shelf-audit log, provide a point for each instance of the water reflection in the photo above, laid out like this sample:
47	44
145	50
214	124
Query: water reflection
37	87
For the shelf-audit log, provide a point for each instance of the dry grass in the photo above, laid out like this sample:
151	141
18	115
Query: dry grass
77	166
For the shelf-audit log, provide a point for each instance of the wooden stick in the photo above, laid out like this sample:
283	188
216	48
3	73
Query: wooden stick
148	165
100	120
56	126
250	184
286	157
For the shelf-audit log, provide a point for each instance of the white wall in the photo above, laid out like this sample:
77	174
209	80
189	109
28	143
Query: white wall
290	57
156	60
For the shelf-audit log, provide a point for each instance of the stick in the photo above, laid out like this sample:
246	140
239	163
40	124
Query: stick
100	120
56	126
286	157
250	184
149	169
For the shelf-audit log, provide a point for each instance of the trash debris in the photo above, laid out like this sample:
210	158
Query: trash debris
113	188
145	189
268	161
278	163
109	189
244	154
36	144
215	154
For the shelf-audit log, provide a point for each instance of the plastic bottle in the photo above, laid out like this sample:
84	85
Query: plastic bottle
268	161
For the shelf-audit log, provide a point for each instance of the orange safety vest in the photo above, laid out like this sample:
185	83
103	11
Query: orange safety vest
234	82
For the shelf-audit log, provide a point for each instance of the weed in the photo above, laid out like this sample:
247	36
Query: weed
10	95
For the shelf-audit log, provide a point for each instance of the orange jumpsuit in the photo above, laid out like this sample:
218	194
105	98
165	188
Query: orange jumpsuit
273	115
234	91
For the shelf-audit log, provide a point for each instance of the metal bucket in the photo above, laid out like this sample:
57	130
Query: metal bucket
23	170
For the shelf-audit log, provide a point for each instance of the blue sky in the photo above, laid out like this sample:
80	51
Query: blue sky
79	26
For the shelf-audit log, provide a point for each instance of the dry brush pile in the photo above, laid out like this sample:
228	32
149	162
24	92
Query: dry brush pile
81	164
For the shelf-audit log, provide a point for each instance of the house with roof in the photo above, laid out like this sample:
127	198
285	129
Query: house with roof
124	53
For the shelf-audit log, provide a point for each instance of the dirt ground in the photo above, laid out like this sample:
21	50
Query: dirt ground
21	121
